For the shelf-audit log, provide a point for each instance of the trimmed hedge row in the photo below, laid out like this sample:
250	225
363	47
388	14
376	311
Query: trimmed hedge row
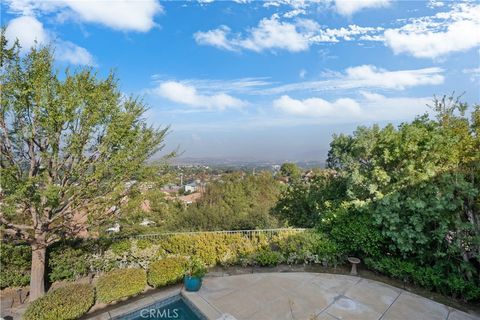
166	271
69	302
74	259
120	283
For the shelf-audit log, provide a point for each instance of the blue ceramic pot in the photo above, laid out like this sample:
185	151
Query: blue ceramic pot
192	284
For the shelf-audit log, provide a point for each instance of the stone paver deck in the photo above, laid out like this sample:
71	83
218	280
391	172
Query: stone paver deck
320	296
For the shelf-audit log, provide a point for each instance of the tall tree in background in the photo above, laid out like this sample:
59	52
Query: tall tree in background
290	170
68	145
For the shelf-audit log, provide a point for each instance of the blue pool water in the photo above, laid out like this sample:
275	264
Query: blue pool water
172	308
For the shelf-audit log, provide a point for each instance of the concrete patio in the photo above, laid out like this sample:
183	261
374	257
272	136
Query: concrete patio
308	296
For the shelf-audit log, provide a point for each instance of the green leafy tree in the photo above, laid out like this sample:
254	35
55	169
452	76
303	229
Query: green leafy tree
419	183
69	143
290	170
304	203
237	201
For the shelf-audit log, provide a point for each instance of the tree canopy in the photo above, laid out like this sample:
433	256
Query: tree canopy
69	144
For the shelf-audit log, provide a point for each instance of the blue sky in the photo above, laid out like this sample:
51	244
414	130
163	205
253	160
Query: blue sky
269	80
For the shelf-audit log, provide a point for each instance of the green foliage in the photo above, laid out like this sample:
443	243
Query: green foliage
120	283
196	268
306	247
67	263
266	257
236	202
354	233
65	303
433	278
411	192
121	247
290	170
85	139
304	203
15	265
166	271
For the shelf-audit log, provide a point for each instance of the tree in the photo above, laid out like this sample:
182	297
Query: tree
69	145
304	203
420	184
290	170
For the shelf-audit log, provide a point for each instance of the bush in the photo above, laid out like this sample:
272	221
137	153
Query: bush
196	268
69	302
355	234
120	283
267	258
306	247
15	265
166	271
67	263
432	278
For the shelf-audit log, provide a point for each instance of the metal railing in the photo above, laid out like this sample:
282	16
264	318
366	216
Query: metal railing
247	233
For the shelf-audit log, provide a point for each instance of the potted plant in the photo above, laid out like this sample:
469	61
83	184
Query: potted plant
195	271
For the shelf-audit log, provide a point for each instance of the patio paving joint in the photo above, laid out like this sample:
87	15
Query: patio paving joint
391	304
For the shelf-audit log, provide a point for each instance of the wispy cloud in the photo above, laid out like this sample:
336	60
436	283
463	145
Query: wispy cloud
369	106
366	76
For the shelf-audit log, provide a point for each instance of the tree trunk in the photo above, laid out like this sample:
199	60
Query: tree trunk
37	274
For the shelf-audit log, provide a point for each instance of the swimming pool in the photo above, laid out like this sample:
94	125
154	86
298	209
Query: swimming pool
175	307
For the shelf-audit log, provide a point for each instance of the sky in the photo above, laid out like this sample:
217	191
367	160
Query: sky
264	80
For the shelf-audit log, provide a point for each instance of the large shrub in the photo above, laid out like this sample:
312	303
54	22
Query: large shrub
306	247
430	277
120	283
166	271
14	265
67	263
69	302
266	257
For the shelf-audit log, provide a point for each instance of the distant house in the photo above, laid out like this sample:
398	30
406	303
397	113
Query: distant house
191	187
170	187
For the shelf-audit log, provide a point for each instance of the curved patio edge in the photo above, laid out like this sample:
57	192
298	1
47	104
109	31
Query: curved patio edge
304	295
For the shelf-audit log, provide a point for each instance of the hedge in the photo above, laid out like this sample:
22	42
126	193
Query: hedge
70	260
166	271
120	283
432	278
69	302
15	265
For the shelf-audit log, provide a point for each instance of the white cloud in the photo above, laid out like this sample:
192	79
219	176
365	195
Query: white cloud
216	38
439	35
126	15
28	30
294	13
368	107
317	107
70	52
371	76
186	94
366	76
275	34
474	73
272	33
349	7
